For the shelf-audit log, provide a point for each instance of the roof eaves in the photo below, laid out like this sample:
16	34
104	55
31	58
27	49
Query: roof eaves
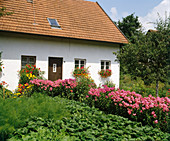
112	21
58	36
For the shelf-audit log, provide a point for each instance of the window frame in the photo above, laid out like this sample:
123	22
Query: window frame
54	26
27	56
105	65
79	64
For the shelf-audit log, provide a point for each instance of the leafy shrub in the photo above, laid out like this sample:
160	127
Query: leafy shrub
138	86
109	84
23	90
4	92
149	110
29	73
83	86
87	123
70	88
54	88
15	112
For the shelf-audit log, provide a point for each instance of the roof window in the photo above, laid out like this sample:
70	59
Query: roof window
53	23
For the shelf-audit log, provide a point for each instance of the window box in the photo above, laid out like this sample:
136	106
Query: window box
105	73
105	69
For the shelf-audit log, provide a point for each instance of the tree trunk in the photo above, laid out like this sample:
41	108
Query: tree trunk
157	87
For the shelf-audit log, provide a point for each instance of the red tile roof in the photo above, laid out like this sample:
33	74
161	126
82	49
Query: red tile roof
78	19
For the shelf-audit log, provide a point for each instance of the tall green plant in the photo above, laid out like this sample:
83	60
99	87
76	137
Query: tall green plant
131	27
148	57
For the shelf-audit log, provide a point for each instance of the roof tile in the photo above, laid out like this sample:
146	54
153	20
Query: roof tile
78	19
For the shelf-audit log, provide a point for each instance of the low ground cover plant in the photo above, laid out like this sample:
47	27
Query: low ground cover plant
15	111
86	123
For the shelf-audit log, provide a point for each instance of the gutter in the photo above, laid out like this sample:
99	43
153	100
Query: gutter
41	35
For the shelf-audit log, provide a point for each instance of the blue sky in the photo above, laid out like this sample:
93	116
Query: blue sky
146	10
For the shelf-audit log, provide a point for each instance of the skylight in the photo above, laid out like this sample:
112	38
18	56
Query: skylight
53	23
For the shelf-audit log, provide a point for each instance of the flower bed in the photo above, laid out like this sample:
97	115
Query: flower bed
148	110
54	88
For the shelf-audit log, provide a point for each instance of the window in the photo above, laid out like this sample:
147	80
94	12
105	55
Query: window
105	65
27	60
53	23
80	63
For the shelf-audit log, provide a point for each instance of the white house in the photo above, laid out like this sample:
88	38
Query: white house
58	33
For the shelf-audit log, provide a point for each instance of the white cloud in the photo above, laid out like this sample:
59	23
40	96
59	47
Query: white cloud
114	13
117	16
125	14
147	20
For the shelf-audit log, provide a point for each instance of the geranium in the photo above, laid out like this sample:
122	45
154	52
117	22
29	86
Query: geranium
105	73
81	72
156	121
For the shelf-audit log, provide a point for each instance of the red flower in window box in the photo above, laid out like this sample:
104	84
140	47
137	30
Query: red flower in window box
80	72
105	73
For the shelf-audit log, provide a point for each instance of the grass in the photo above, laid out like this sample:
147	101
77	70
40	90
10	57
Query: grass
15	112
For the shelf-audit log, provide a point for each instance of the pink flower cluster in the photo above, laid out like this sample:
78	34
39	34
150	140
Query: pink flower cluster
45	84
97	92
134	103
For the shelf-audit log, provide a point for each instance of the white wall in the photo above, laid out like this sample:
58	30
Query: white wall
15	45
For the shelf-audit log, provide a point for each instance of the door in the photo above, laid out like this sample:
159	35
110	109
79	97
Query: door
55	68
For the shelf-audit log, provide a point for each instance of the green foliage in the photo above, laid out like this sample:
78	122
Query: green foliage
83	86
131	27
87	123
39	129
5	93
109	84
29	73
148	57
3	12
138	85
15	112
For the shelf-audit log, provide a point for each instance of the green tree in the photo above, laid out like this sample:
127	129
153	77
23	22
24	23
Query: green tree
148	57
131	27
